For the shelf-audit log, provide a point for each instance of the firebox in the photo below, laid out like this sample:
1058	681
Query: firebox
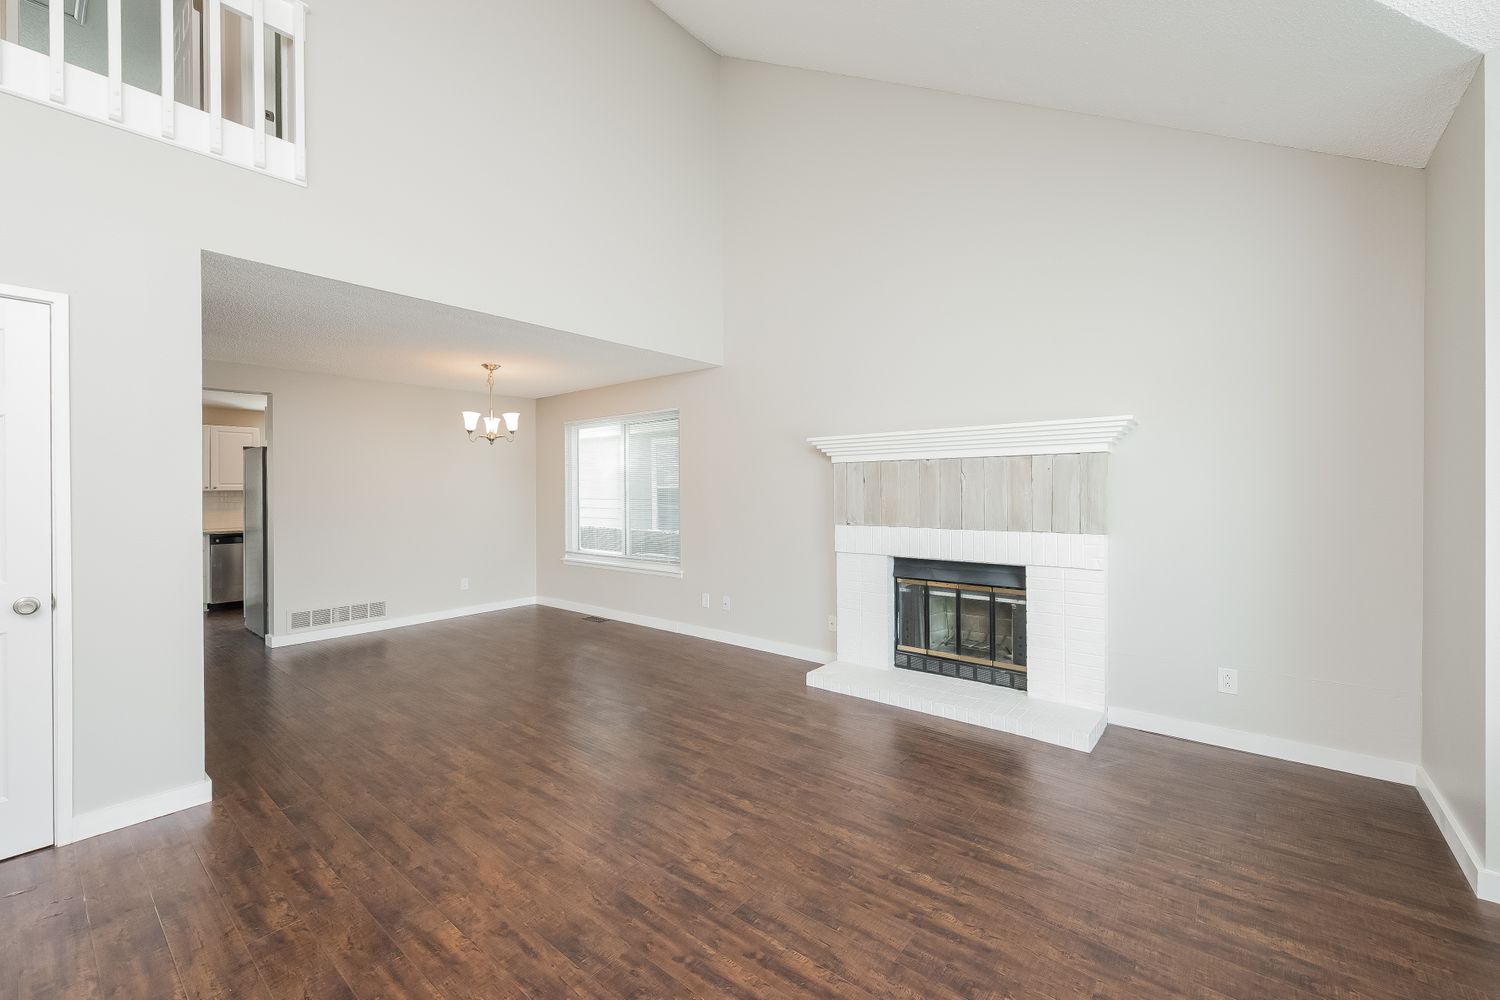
965	620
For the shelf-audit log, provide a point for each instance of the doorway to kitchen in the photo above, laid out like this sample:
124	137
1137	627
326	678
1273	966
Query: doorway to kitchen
236	433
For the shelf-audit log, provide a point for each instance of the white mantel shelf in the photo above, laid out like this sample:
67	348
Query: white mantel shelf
1043	437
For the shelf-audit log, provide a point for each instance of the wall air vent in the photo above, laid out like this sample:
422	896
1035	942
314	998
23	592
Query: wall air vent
340	615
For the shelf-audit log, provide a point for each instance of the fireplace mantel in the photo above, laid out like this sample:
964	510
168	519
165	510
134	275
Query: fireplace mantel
1030	495
1042	437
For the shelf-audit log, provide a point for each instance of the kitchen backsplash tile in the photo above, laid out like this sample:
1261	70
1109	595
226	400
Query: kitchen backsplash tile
223	511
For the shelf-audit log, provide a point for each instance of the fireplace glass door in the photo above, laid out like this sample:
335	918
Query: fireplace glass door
942	620
974	625
1010	629
973	631
911	616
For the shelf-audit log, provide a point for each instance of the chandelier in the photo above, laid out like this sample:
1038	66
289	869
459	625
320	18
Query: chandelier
492	431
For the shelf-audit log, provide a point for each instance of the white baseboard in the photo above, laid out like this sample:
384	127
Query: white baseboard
1268	746
819	656
123	814
1484	881
382	624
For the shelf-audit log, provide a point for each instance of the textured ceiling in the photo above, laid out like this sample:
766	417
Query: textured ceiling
1355	77
1476	23
256	314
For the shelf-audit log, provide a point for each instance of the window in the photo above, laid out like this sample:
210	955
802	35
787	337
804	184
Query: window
623	494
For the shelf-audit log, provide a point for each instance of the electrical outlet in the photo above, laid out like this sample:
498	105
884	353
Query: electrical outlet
726	602
463	584
708	601
833	623
1229	681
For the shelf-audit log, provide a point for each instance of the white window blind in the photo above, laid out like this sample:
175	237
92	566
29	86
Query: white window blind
623	493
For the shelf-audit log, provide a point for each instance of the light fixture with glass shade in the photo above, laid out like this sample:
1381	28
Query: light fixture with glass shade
492	424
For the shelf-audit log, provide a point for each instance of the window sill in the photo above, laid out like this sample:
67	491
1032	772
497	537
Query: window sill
646	566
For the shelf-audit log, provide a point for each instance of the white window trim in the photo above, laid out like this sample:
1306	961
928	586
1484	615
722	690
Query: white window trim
602	560
624	563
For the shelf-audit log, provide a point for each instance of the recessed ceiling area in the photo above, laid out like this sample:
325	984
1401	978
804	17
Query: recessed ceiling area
1358	78
256	314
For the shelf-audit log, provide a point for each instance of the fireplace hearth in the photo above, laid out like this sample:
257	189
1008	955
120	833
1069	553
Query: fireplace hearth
963	620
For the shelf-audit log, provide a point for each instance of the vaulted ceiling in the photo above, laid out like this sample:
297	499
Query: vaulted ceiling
1360	78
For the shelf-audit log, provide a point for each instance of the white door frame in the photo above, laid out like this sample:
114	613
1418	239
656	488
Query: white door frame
62	563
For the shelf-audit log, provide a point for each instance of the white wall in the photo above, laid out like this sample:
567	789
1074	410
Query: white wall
376	494
899	258
1491	846
1453	604
553	162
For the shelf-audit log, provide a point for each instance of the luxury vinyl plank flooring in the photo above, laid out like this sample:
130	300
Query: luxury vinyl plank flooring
524	804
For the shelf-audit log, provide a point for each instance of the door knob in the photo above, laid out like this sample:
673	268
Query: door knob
26	606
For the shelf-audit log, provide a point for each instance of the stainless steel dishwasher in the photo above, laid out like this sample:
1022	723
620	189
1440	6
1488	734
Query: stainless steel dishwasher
226	567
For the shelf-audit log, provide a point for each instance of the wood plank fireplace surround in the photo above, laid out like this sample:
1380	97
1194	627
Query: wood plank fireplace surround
982	522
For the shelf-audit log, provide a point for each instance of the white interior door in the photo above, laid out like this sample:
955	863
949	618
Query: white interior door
25	577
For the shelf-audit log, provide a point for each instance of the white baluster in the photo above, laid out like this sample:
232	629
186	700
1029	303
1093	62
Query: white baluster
299	88
55	50
10	13
215	77
258	78
168	70
113	32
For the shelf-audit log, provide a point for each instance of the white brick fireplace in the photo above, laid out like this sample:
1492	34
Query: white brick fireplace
1029	495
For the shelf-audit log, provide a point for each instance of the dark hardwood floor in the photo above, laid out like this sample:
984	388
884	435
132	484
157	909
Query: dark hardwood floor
524	804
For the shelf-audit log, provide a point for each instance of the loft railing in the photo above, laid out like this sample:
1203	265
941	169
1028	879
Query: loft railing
223	77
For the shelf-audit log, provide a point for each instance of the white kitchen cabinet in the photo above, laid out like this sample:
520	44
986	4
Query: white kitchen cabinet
224	460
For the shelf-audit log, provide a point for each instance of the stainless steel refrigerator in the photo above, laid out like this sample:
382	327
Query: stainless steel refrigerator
257	576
